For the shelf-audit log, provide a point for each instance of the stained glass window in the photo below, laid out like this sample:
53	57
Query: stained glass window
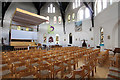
59	19
27	29
87	13
99	6
69	18
73	16
101	36
47	20
111	1
18	28
81	14
76	4
104	4
55	19
51	9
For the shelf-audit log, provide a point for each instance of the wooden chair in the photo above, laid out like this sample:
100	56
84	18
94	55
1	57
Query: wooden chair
57	67
7	71
86	70
73	62
76	74
20	68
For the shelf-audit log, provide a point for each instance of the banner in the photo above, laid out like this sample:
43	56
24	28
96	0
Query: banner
51	29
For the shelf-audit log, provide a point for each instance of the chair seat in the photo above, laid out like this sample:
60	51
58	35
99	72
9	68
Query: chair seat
35	64
44	72
65	64
91	67
36	58
85	55
30	76
56	67
52	60
59	57
79	69
77	76
20	68
86	72
114	68
2	65
114	74
68	75
16	62
110	78
44	62
72	61
5	72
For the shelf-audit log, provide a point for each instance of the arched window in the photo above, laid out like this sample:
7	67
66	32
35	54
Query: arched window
27	29
18	28
59	19
47	20
76	4
111	1
51	9
99	6
69	18
104	4
87	13
95	8
44	38
70	38
73	16
55	19
81	14
57	39
101	36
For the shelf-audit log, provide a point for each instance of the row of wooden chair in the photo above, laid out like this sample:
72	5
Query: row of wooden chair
114	69
36	62
103	56
84	71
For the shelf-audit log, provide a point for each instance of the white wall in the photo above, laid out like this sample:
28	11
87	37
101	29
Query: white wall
70	28
84	34
9	13
107	19
44	27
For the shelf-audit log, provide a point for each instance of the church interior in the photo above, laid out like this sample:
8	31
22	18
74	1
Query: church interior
56	39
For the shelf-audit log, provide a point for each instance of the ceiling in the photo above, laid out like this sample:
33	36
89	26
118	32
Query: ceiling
38	6
28	18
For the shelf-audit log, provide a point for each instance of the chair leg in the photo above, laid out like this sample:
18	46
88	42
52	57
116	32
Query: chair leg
92	73
62	73
74	67
77	64
95	69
